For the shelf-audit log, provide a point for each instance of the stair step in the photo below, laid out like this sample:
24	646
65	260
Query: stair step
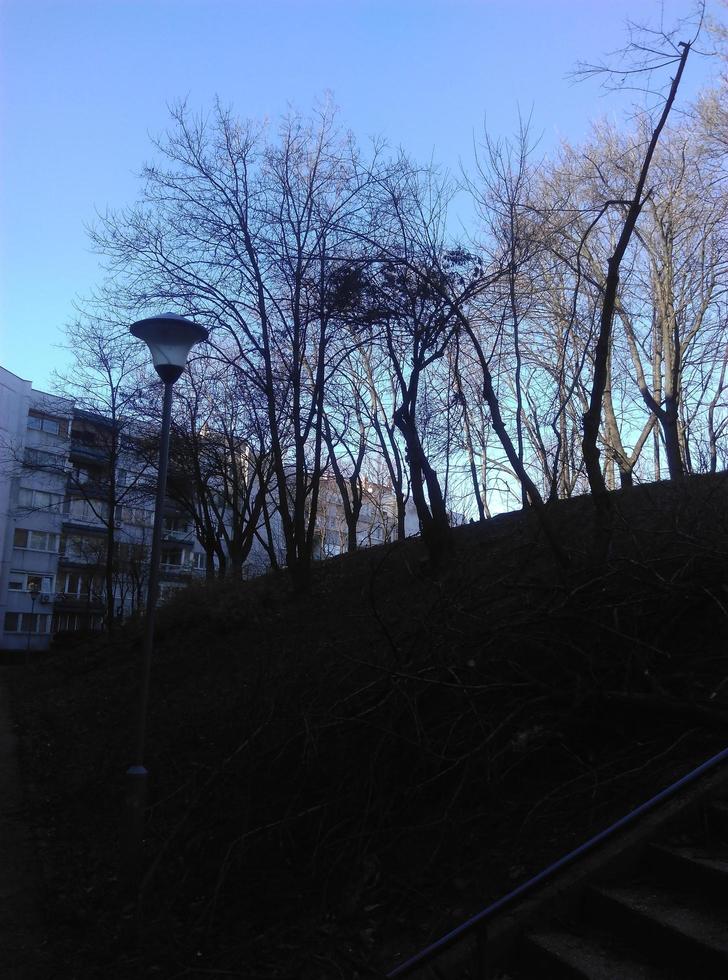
589	957
718	817
680	928
693	866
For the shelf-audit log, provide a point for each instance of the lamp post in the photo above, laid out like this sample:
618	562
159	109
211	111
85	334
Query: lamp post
170	339
34	589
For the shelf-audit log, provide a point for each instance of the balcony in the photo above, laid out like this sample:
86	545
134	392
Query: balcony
92	486
88	452
72	602
183	535
92	524
92	558
176	573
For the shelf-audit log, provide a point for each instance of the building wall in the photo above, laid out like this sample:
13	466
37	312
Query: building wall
377	522
53	523
34	437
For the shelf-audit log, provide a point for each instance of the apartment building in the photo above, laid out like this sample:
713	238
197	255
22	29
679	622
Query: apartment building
377	523
35	430
55	521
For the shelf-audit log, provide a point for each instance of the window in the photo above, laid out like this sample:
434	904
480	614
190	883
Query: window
177	524
135	515
73	584
199	561
74	622
39	499
86	548
78	584
87	511
65	622
172	557
39	583
35	540
30	581
81	475
39	457
44	423
27	622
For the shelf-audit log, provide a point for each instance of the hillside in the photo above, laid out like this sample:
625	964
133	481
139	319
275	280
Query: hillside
338	779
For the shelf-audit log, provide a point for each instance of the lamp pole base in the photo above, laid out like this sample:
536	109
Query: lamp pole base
137	788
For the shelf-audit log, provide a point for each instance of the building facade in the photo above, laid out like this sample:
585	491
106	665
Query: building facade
35	431
377	522
57	526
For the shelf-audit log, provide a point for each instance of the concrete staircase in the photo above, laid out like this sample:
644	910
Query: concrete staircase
664	917
643	899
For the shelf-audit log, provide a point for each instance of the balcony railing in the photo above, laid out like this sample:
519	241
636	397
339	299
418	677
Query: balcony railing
176	573
177	534
88	451
88	521
73	600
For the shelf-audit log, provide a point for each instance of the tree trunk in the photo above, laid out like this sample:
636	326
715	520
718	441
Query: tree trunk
401	514
671	430
109	574
592	417
434	522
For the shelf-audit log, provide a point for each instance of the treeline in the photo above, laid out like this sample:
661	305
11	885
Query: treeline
572	339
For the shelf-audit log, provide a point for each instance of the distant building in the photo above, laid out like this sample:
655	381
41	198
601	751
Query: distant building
377	522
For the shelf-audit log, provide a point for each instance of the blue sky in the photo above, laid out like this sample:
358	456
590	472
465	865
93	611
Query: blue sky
84	84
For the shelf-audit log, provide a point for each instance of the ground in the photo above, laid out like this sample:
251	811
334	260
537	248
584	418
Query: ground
338	778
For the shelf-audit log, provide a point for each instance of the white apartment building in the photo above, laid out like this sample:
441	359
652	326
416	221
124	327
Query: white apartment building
377	523
35	432
54	522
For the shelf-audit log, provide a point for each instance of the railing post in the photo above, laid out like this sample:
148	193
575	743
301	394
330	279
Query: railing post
480	958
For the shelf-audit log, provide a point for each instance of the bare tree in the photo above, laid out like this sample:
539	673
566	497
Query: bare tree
406	297
503	195
104	382
220	462
247	232
633	208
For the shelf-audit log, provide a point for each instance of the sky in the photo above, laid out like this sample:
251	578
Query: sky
86	84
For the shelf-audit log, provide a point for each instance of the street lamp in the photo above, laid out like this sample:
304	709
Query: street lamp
34	589
170	339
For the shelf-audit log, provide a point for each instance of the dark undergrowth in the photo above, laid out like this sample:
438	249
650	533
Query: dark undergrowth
339	778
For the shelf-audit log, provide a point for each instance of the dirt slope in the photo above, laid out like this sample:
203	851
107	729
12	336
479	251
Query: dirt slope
338	778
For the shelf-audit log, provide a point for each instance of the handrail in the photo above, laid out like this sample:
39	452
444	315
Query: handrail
434	949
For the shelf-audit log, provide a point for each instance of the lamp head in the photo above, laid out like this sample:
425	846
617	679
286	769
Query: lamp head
170	339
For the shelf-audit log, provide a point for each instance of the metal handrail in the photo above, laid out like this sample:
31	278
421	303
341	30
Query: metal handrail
434	949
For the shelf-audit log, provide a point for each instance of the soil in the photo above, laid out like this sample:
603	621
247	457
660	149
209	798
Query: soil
338	778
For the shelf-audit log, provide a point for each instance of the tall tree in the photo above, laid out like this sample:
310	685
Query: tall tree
247	231
633	206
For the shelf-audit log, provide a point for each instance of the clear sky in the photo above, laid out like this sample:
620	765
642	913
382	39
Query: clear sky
84	83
